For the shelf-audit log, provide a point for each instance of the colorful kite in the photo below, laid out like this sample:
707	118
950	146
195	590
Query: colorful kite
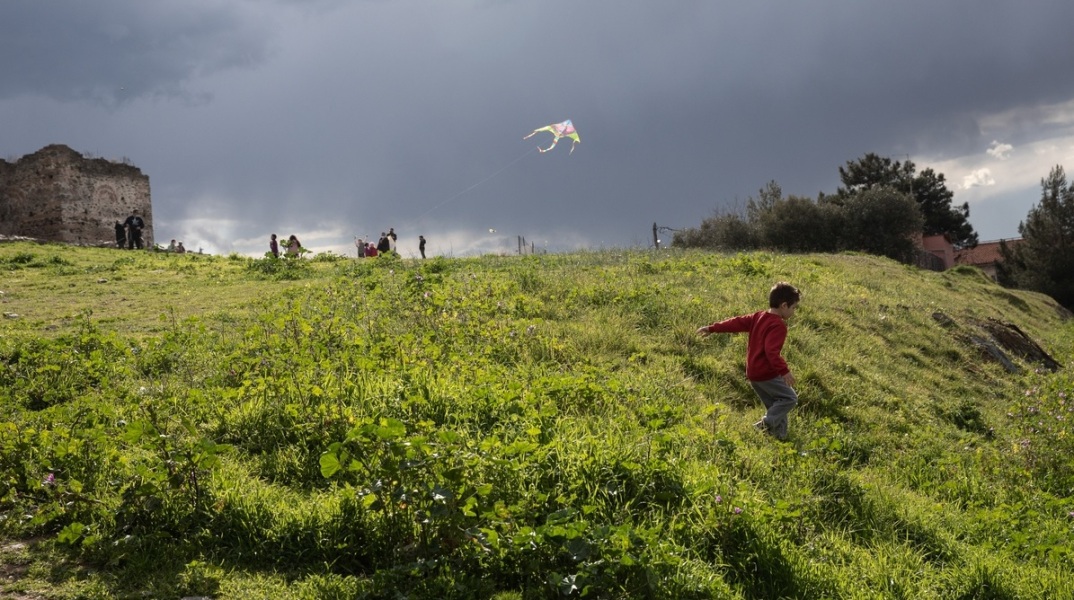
558	130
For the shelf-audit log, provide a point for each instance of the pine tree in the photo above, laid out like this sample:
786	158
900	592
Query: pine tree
928	188
1044	260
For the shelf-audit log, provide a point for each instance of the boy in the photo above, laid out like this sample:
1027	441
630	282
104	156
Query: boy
765	368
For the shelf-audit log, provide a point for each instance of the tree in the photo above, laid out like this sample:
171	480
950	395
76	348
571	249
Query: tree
941	218
881	221
873	171
929	190
1044	260
767	197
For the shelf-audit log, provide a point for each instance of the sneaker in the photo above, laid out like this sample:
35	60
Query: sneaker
761	426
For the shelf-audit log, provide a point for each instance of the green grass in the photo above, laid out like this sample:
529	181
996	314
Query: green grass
520	427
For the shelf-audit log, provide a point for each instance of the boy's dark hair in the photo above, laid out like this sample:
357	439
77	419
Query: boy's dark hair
783	292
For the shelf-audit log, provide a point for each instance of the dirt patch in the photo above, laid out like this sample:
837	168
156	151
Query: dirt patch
1015	341
14	563
998	341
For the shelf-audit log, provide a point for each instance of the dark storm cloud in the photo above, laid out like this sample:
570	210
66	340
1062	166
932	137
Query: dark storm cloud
357	116
113	50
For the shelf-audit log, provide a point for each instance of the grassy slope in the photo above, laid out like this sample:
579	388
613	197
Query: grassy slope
550	421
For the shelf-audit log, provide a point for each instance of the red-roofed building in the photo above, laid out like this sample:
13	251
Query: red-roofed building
985	255
940	247
939	255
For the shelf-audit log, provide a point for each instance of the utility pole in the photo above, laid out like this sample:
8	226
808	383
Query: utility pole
656	234
910	175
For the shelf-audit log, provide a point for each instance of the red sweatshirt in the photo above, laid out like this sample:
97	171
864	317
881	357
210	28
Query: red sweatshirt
767	334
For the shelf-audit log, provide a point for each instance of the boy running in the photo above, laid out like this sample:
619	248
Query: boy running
765	368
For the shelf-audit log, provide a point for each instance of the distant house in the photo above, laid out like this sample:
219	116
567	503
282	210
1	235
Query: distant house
938	254
985	255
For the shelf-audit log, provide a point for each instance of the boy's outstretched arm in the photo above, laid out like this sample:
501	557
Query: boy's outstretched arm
740	324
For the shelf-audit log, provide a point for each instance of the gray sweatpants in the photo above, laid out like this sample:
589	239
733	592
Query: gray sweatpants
779	398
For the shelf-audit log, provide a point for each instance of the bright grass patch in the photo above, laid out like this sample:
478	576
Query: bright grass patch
520	427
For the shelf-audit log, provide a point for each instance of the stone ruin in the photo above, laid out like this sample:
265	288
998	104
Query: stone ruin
58	195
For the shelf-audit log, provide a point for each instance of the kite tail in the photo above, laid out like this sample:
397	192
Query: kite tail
536	131
554	142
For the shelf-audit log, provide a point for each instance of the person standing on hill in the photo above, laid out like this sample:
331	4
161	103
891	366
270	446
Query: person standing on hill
294	247
274	246
766	370
421	245
134	225
121	235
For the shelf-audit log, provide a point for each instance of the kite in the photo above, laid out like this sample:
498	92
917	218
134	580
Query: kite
558	130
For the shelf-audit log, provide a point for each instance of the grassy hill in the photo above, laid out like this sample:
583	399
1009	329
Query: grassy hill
522	427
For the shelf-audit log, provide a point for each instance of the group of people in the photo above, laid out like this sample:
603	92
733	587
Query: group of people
129	232
293	247
385	244
129	235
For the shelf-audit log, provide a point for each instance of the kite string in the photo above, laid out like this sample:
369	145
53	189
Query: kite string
504	168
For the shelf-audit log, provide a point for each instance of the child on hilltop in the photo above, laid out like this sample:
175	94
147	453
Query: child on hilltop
294	247
765	368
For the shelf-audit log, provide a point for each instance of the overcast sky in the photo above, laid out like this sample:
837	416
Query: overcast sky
331	119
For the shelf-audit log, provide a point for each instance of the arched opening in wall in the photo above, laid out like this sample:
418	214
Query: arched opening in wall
13	212
102	211
104	194
105	201
9	211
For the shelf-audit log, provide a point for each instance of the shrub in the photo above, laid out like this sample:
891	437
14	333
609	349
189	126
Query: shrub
798	224
722	232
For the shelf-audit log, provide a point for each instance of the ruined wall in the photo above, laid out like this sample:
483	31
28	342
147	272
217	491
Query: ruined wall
57	194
